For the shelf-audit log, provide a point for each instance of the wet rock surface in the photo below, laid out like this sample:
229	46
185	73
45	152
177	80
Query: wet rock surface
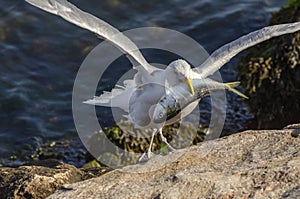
250	164
270	73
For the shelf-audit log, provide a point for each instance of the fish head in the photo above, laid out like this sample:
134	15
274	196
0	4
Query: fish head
159	114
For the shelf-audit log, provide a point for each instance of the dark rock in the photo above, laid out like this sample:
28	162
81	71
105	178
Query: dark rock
296	129
270	75
251	164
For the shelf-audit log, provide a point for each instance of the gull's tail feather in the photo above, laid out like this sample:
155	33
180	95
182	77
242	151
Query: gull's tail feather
231	87
118	97
105	98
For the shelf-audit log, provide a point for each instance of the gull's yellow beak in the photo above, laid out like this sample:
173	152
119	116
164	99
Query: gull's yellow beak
189	83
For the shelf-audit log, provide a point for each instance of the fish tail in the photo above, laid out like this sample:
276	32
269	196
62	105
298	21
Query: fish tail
231	87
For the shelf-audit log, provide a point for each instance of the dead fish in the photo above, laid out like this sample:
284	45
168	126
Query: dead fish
176	102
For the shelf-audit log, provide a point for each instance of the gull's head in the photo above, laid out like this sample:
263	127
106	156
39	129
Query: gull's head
181	69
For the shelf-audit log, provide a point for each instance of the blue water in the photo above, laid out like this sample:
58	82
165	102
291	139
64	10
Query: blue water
41	54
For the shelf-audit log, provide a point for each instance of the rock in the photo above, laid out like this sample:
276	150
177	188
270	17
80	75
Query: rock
41	178
38	180
270	72
251	164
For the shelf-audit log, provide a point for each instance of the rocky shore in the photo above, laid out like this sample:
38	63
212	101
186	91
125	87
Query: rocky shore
249	164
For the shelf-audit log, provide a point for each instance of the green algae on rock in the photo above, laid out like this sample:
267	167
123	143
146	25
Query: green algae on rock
292	3
270	75
128	143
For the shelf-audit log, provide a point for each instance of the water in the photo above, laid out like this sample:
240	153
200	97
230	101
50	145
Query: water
41	55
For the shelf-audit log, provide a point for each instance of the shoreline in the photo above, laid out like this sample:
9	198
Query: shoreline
234	155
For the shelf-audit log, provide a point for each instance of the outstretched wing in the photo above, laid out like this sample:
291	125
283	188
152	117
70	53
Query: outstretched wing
87	21
222	55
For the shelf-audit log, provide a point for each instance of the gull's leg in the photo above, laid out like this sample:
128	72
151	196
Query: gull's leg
151	143
149	152
165	140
